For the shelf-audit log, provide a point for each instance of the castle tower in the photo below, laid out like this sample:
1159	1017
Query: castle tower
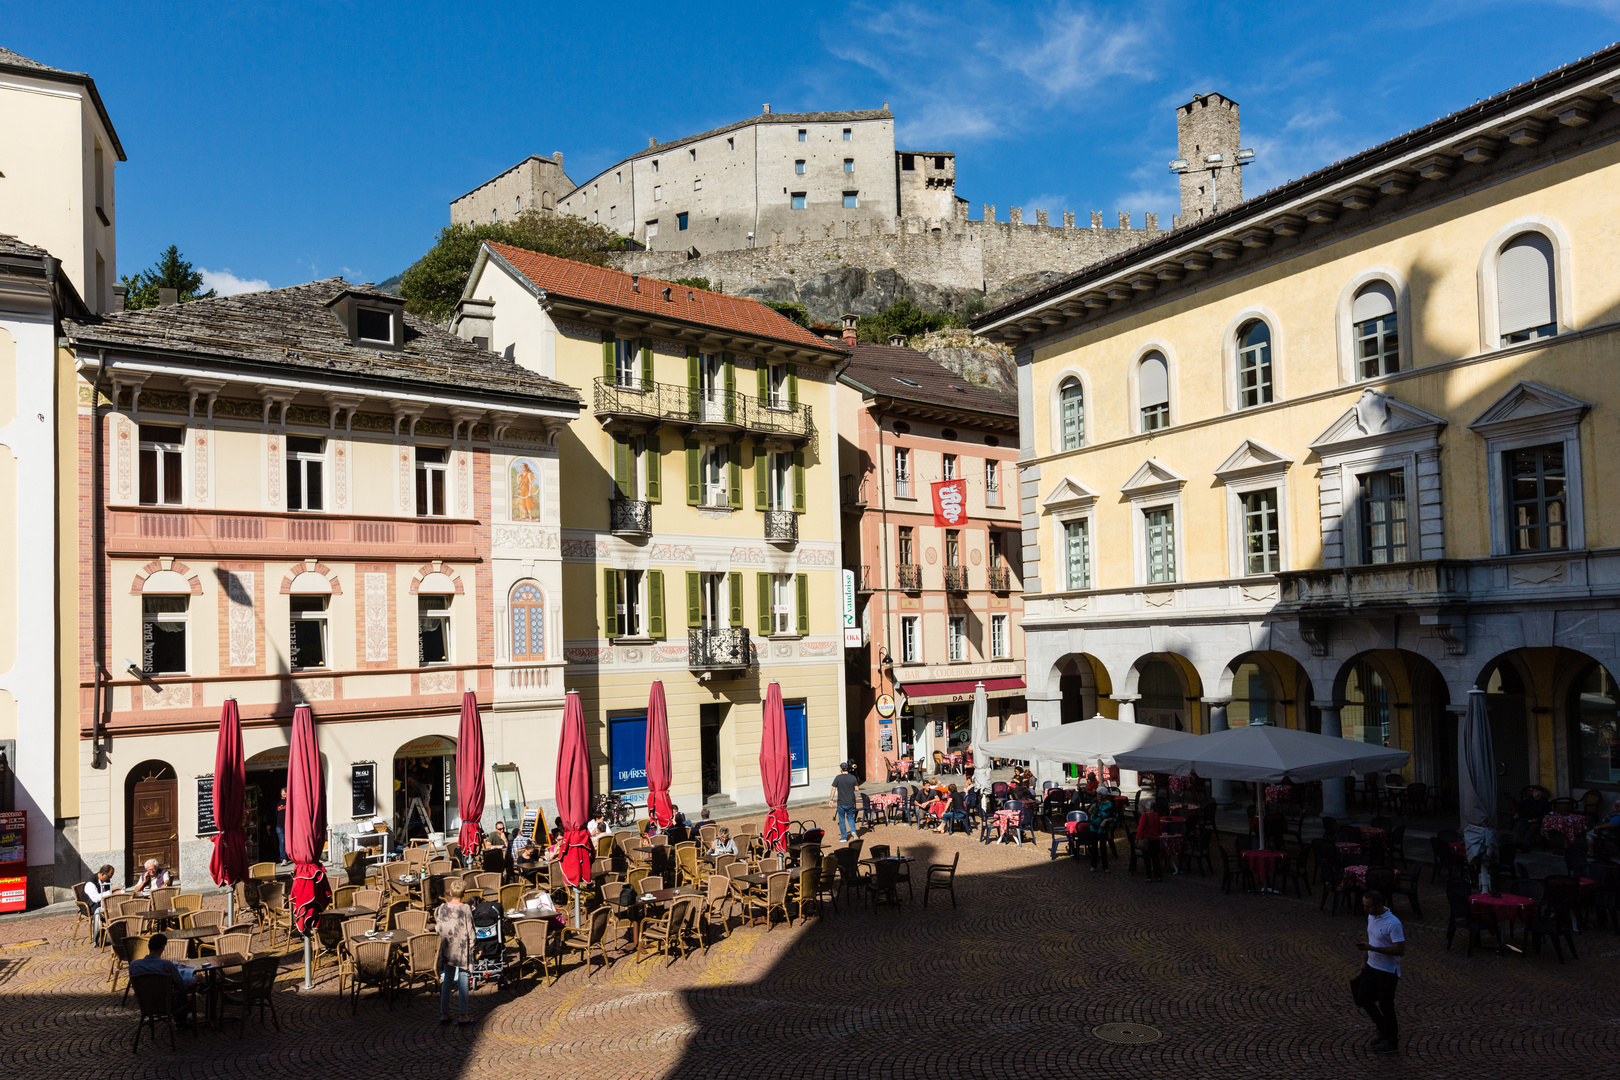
1208	124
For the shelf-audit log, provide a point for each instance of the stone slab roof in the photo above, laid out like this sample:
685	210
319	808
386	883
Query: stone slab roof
878	371
643	294
23	65
10	245
294	329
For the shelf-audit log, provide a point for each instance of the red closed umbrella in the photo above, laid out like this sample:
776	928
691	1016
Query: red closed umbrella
306	823
470	775
229	863
574	795
659	808
775	767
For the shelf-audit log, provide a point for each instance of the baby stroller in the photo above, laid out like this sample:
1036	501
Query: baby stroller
489	952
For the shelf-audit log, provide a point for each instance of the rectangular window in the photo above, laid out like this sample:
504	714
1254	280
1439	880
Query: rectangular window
433	629
1378	347
306	468
1077	553
852	200
714	612
953	547
956	637
803	134
993	549
779	481
716	480
849	164
691	155
1156	416
697	185
374	325
939	163
782	603
627	600
160	464
1261	539
798	167
658	192
776	383
307	634
731	144
1383	517
798	200
908	162
163	635
1160	528
432	468
680	222
950	467
992	482
655	164
652	229
626	363
847	134
907	552
902	472
618	177
1536	498
998	637
910	639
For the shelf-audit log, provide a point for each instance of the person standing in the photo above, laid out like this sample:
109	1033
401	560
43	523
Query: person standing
844	786
281	828
1148	828
1385	945
1099	825
454	923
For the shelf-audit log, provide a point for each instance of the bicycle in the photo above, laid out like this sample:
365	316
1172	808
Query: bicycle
617	810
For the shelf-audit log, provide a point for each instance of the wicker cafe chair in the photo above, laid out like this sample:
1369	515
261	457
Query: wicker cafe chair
669	932
511	895
234	940
371	968
774	898
256	989
85	912
807	890
718	907
421	962
262	871
157	999
190	903
276	914
127	947
589	937
413	922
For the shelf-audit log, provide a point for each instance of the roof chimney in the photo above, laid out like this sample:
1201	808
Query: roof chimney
167	297
885	105
767	108
474	321
897	340
120	297
651	142
850	322
635	282
556	155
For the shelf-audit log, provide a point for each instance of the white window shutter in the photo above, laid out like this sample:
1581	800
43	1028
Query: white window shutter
1524	284
1154	381
1374	301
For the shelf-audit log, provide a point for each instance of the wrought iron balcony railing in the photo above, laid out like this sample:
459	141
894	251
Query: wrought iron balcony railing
852	491
999	579
909	577
782	526
676	404
718	649
956	579
630	517
863	578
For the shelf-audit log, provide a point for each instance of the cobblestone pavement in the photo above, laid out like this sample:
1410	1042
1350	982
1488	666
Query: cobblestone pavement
1012	983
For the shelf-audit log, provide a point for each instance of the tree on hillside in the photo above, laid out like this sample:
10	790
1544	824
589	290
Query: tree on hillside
171	271
903	317
434	282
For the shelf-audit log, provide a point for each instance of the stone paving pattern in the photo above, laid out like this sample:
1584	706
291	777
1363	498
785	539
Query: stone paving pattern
1010	984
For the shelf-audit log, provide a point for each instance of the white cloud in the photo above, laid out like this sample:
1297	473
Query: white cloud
226	283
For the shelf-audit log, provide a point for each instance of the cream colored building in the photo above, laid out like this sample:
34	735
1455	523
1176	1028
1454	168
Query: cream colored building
58	151
1336	455
700	523
307	496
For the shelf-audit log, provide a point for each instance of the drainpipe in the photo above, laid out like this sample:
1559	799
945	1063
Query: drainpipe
98	755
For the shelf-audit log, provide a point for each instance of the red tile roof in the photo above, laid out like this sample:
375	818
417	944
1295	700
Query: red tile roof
614	288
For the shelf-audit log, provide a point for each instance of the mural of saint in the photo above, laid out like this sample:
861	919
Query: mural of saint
525	491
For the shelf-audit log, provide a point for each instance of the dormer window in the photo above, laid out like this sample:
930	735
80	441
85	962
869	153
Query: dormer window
374	325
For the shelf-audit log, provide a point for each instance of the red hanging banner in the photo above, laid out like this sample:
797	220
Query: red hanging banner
950	503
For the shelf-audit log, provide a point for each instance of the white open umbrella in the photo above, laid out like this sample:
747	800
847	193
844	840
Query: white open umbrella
1262	754
1089	742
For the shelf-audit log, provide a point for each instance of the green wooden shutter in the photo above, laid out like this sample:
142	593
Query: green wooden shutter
653	456
793	385
655	603
762	478
694	598
610	604
728	366
764	593
646	362
734	473
736	598
694	474
693	405
762	373
803	603
609	374
621	466
798	481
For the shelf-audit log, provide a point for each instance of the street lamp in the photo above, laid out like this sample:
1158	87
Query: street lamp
1213	164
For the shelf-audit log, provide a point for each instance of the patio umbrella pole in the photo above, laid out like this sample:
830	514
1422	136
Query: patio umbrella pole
309	982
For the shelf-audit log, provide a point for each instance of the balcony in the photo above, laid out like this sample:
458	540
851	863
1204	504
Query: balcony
852	493
956	579
232	534
718	649
863	578
908	576
651	405
1385	585
630	518
781	526
999	579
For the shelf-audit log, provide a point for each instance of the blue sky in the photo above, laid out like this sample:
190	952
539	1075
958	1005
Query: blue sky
278	143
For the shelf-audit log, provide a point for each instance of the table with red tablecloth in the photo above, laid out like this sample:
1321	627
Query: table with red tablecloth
1571	825
1347	848
1504	908
886	800
1279	793
1357	876
1264	864
1007	822
1170	843
1369	834
1180	785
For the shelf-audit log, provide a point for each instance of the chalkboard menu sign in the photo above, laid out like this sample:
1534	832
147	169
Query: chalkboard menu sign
205	806
531	822
363	786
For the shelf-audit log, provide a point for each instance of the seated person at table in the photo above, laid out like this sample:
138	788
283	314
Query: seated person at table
651	830
953	813
1022	776
598	826
723	844
528	852
153	876
937	809
180	976
679	832
1531	811
706	820
498	837
96	891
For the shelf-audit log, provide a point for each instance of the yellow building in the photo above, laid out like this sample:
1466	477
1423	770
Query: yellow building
700	517
1337	454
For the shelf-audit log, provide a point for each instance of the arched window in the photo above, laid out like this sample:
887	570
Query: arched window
1365	716
1254	364
1072	414
1153	390
1526	307
1378	341
1254	699
1594	713
528	623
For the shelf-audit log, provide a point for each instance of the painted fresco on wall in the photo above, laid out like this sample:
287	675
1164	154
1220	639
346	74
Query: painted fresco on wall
525	490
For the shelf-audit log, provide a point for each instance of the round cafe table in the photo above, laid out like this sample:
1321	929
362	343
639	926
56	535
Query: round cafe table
1571	825
1265	864
1504	908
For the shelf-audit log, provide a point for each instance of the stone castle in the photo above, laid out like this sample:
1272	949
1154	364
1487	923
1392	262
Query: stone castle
823	210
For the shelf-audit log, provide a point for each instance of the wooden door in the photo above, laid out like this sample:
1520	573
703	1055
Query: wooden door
154	815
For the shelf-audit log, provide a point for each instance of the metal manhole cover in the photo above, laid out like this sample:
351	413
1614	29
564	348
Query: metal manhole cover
1130	1034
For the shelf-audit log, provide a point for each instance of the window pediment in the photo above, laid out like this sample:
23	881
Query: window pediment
1376	419
1252	458
1529	406
1070	494
1153	477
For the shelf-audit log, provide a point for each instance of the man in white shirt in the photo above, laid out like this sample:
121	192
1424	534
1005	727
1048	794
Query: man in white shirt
96	891
723	844
1385	945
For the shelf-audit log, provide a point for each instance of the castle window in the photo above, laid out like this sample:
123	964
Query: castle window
691	155
697	185
1254	364
798	200
658	192
849	164
803	135
655	164
680	222
939	163
731	144
908	162
798	166
852	200
618	177
847	135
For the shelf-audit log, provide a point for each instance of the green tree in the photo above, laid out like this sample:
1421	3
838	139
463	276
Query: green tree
434	282
903	317
171	271
695	283
797	312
